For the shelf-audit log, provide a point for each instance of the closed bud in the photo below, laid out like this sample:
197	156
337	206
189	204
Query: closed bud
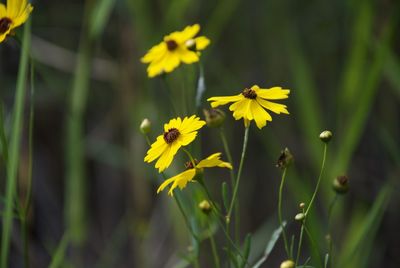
287	264
341	184
285	159
145	126
302	205
191	44
214	117
205	206
325	136
300	217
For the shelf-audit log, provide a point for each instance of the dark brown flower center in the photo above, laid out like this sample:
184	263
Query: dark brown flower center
249	93
171	45
5	24
171	135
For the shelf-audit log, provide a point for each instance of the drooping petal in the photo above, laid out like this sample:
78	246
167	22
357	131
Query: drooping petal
201	42
272	106
217	101
241	109
182	179
259	114
274	93
171	61
213	161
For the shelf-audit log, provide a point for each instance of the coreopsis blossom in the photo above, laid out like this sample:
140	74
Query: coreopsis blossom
176	47
177	133
13	15
251	104
188	175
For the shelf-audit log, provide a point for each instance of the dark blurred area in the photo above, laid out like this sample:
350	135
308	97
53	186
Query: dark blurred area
339	58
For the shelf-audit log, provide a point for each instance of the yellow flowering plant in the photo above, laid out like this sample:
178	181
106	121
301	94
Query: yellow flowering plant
13	15
252	103
180	46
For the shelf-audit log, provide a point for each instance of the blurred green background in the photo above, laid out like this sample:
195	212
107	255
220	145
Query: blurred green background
339	58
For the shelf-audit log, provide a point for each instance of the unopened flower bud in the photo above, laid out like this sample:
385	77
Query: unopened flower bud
205	207
300	217
285	159
191	44
325	136
302	205
214	117
288	264
145	126
341	184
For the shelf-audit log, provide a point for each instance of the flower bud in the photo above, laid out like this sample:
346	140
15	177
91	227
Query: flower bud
145	126
341	184
191	44
285	159
205	206
325	136
300	217
302	205
288	264
214	117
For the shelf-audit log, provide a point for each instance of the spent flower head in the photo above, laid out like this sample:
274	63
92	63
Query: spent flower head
253	103
13	15
341	184
285	159
176	47
214	117
188	175
177	133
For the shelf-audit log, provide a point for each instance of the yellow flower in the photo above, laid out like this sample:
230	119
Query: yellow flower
252	104
12	16
183	178
177	133
177	47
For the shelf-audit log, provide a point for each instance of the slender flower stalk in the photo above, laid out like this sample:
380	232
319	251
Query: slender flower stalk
213	248
235	191
311	202
13	161
280	213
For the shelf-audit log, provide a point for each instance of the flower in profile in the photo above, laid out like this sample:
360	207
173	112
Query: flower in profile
12	16
177	133
188	175
176	47
252	104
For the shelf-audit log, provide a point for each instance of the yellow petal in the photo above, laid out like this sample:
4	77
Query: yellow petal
213	161
3	11
188	33
173	123
155	53
275	93
156	149
182	179
260	115
167	156
217	101
23	14
171	61
242	109
165	184
274	107
201	42
188	56
191	124
186	139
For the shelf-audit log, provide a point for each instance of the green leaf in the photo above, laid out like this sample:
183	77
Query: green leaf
247	247
58	257
225	195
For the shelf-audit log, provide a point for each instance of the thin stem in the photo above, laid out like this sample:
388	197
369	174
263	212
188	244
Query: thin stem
30	165
332	204
311	202
178	202
319	180
12	164
280	213
213	248
235	191
190	156
3	138
313	242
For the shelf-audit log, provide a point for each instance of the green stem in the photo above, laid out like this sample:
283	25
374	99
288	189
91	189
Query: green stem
30	166
235	191
169	93
3	138
280	213
12	164
214	248
319	181
300	243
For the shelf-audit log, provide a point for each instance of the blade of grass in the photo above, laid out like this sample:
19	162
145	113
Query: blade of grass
59	255
359	240
3	137
12	164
